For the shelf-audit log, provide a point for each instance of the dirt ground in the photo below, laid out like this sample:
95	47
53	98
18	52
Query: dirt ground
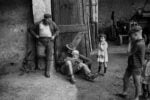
35	86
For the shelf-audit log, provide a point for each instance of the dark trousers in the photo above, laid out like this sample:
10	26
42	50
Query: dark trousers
86	60
48	43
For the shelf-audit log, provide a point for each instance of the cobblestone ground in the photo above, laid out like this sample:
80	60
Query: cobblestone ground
35	86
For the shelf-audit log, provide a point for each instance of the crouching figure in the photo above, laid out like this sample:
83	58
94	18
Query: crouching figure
72	63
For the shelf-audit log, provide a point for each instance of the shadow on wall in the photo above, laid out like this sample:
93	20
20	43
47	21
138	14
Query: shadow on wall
14	20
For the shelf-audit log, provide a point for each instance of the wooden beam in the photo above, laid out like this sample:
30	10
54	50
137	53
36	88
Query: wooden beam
72	28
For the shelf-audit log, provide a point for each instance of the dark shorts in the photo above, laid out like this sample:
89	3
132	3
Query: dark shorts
136	71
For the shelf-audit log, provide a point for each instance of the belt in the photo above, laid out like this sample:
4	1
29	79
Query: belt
45	37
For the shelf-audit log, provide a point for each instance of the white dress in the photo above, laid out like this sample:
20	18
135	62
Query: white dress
102	52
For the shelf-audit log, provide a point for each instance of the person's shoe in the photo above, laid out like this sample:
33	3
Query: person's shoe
101	74
94	76
47	74
72	80
123	95
91	77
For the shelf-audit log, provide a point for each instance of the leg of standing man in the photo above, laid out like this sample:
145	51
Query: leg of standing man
49	57
137	83
126	80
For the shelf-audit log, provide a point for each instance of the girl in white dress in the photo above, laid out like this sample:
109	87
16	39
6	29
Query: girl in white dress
102	53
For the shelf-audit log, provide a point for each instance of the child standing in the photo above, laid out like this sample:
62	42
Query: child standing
135	61
102	53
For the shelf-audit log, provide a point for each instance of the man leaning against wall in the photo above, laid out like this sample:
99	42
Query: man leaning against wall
45	32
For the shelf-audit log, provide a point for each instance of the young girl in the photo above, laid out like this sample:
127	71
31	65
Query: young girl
102	53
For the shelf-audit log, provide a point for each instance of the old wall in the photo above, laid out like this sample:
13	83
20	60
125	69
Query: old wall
14	19
123	9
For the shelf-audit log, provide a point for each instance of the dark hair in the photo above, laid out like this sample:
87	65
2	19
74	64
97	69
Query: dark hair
102	35
47	16
135	29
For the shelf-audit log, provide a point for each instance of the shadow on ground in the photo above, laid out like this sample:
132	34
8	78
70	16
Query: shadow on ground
34	86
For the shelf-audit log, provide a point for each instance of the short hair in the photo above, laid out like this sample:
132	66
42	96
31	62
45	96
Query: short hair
135	29
102	35
47	16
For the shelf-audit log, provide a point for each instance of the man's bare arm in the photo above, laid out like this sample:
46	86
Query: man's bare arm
56	30
32	32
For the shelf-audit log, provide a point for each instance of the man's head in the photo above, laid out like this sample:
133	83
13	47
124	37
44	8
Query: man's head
47	18
75	53
70	47
136	32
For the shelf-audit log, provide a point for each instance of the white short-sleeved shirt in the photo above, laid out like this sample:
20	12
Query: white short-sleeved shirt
44	30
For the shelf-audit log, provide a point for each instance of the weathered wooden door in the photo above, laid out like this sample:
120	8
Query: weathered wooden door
71	16
67	12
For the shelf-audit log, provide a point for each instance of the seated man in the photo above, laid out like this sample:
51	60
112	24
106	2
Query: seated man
72	63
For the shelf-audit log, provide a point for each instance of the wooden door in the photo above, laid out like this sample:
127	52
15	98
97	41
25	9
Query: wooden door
67	12
70	15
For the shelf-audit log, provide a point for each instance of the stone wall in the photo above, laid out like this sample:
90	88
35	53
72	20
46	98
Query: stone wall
14	19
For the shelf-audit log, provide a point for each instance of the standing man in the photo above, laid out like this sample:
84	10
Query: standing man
46	31
135	61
